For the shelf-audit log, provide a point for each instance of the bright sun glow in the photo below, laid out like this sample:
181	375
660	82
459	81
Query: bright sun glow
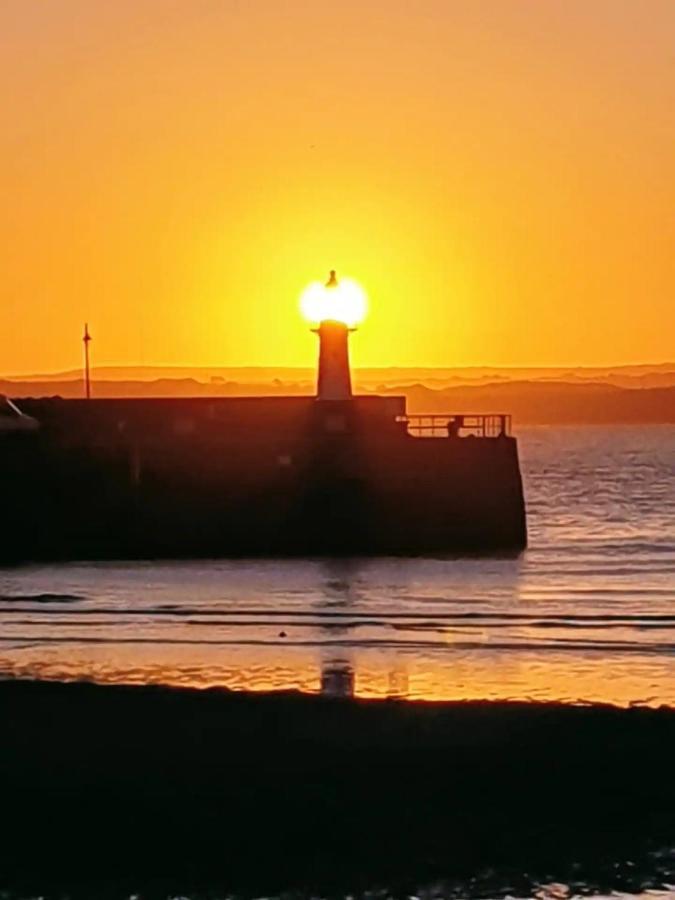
346	302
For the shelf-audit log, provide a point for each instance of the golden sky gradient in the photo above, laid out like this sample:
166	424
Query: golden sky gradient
498	174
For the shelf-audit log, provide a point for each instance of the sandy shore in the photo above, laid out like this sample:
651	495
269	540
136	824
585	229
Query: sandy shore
147	788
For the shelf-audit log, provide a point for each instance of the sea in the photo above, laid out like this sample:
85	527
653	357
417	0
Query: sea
585	615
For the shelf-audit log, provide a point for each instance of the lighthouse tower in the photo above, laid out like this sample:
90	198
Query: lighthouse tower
334	381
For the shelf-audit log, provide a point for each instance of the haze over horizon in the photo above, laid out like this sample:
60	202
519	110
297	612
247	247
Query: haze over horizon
499	177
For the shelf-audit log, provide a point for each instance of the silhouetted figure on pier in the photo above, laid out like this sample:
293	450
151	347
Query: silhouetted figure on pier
454	426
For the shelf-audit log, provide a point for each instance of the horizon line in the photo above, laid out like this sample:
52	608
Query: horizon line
77	371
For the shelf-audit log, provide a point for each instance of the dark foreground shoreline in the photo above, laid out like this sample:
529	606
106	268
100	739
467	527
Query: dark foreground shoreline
107	790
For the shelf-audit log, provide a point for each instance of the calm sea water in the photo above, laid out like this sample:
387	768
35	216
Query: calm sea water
586	614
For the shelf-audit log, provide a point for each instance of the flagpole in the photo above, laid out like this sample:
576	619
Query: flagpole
87	381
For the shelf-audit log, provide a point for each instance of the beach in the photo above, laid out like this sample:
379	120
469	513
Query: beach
114	791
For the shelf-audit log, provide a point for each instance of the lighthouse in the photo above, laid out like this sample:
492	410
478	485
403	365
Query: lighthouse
334	377
334	308
334	380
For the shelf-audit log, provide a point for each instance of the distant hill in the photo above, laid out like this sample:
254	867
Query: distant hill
541	402
635	376
163	387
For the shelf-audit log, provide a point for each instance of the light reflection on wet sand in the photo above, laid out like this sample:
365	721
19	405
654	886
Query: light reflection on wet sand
363	673
386	625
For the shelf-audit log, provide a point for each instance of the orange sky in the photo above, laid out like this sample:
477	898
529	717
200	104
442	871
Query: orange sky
498	174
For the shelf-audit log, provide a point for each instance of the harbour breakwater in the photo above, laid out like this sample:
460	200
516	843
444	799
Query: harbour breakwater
280	476
150	790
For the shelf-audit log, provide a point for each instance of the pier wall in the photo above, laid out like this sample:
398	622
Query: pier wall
268	476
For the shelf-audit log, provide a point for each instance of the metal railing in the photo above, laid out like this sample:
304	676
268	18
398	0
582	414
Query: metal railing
458	425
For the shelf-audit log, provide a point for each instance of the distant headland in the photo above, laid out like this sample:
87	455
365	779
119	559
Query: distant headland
608	395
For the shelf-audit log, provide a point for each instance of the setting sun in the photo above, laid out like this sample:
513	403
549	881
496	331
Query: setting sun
342	300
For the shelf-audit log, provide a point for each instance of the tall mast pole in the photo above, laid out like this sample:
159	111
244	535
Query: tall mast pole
86	338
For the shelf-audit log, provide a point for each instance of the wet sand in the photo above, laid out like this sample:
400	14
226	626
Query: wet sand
154	789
